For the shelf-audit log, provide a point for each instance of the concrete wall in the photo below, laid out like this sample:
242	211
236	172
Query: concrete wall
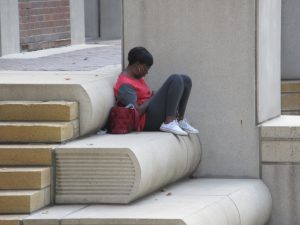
216	45
110	19
77	21
268	59
280	151
290	39
9	27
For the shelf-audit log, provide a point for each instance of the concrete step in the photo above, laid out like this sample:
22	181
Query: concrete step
290	86
24	178
12	219
290	103
17	202
91	89
26	155
120	168
38	111
195	201
290	97
31	132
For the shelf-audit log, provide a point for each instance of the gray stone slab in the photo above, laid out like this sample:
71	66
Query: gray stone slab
283	180
280	151
122	168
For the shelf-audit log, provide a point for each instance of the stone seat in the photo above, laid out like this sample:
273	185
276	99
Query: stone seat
121	168
191	202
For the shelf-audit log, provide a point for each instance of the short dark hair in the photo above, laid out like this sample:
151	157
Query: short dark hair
141	55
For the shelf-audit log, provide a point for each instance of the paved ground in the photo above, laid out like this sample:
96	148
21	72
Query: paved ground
89	57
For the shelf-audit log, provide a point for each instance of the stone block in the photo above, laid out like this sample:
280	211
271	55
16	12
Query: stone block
18	202
91	89
283	180
24	178
47	132
290	102
280	151
122	168
25	155
190	202
283	127
290	86
38	111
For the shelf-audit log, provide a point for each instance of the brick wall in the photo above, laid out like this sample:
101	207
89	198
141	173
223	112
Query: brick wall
44	24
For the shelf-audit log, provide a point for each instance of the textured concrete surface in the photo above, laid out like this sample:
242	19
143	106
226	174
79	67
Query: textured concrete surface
196	201
39	132
24	178
25	155
91	89
283	182
122	168
18	202
268	59
184	37
38	111
280	151
53	213
85	59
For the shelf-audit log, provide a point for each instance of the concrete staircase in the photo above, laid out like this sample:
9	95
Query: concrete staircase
42	122
28	131
84	170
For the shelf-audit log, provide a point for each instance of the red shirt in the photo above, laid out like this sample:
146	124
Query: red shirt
141	88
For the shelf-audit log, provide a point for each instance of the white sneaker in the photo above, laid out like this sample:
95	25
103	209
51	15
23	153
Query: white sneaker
184	125
172	127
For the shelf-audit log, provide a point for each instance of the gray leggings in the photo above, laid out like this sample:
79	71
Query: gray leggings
170	99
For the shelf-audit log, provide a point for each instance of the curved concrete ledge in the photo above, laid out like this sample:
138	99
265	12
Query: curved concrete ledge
196	201
122	168
91	89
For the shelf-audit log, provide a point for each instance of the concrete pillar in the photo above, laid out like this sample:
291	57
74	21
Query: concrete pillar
77	21
92	19
216	44
290	40
110	19
268	59
9	27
